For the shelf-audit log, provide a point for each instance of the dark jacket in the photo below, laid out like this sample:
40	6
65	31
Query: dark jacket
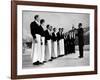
42	32
35	29
47	36
80	36
62	36
58	36
54	37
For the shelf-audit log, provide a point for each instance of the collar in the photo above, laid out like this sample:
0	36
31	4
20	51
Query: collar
54	32
37	22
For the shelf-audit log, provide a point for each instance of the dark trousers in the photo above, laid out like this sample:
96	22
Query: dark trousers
73	48
81	50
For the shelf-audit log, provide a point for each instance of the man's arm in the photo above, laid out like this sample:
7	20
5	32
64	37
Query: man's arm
33	30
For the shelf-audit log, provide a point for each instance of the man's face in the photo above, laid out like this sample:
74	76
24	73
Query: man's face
43	23
59	30
62	29
38	19
50	28
54	29
79	26
72	28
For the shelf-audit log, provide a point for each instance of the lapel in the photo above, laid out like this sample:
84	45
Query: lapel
37	23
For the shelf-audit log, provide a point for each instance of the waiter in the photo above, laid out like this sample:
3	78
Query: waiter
58	42
62	42
80	40
36	43
54	44
51	42
73	40
48	44
42	58
68	43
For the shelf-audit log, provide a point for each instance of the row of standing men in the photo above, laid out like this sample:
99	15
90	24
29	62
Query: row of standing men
49	44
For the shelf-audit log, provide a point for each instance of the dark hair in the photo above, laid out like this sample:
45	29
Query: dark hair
42	21
51	26
73	27
54	29
36	16
62	28
59	28
47	26
80	24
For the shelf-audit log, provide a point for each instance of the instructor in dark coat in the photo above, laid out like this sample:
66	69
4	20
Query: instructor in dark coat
80	39
73	40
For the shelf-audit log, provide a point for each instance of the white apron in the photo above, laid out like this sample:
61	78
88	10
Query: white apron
48	50
42	50
36	47
61	46
54	49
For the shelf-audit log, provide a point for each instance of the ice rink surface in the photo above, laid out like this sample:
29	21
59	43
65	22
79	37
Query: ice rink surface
69	60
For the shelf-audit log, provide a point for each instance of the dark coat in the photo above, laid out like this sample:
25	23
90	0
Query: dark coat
42	32
47	36
80	36
35	29
58	36
68	40
62	36
54	37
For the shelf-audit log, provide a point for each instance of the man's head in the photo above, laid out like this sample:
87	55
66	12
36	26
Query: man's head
47	26
54	29
50	28
42	21
62	29
66	33
80	25
73	28
36	17
59	29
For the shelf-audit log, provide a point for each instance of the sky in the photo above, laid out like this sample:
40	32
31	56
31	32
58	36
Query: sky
55	19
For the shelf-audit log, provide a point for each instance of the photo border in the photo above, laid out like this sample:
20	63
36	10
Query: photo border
14	38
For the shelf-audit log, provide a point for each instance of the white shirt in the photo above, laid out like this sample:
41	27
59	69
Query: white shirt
37	23
55	33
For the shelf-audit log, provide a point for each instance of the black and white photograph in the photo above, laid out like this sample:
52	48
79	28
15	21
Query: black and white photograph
55	39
